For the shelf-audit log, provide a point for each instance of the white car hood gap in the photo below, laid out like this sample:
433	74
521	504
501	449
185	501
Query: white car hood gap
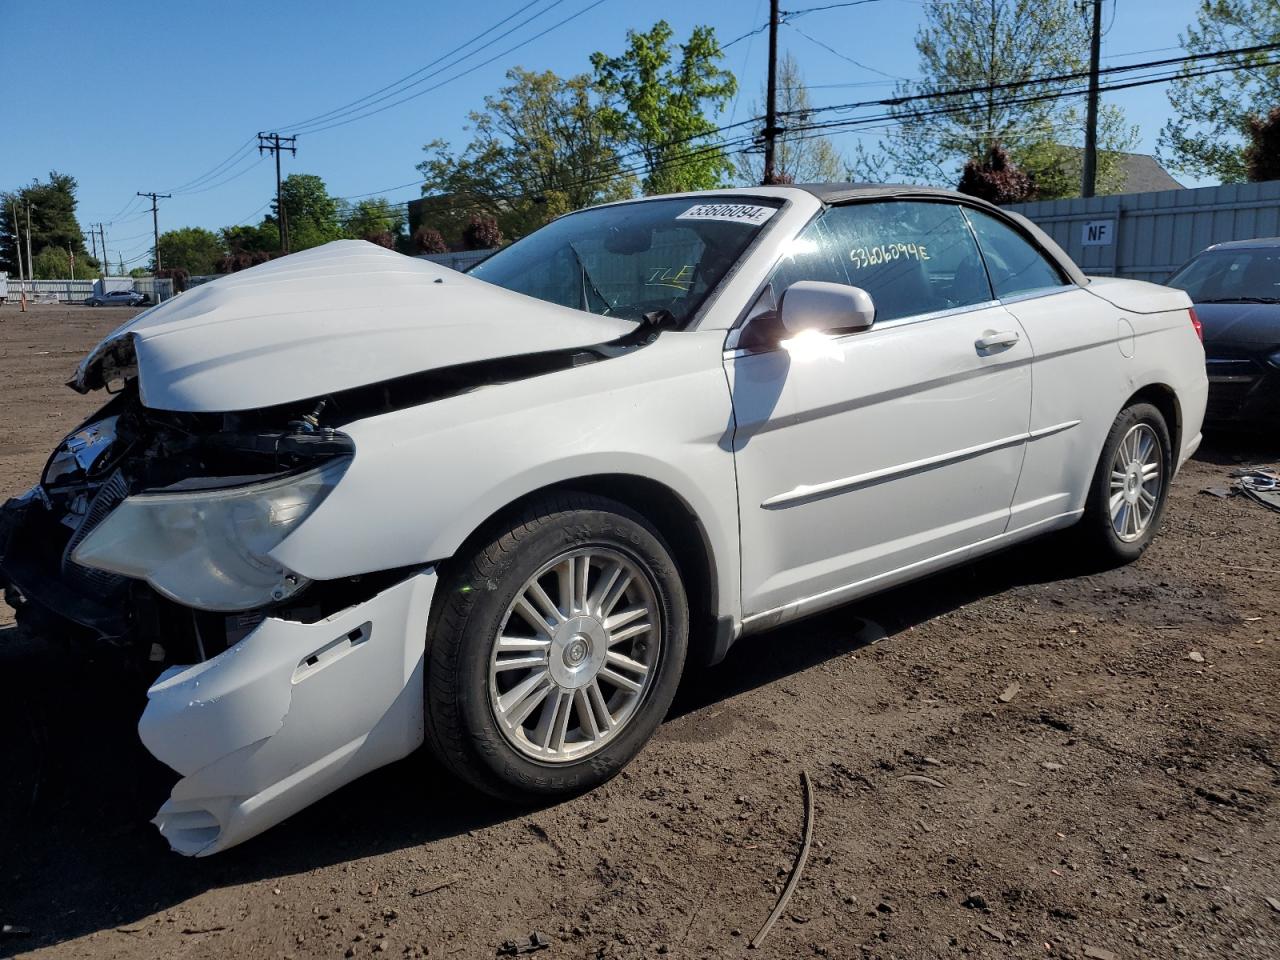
343	315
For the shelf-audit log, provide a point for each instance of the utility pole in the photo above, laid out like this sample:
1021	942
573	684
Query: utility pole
274	143
106	264
17	249
1090	177
771	107
155	222
31	270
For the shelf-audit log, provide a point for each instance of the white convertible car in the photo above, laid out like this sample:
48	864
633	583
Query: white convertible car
348	500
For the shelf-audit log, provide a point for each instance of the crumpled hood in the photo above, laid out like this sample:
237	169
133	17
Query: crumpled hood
343	315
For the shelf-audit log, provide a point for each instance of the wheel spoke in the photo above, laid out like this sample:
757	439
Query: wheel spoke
522	644
603	586
614	595
518	702
531	662
635	630
540	599
1117	501
531	616
1150	471
1117	479
564	712
585	709
622	618
618	680
596	698
623	662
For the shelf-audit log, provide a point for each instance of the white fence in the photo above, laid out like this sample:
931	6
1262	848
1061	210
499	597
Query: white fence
1147	236
74	291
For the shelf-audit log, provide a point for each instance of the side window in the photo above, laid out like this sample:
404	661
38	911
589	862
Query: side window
913	257
1014	264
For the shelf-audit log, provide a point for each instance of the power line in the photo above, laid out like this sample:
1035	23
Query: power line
456	76
988	88
856	63
367	100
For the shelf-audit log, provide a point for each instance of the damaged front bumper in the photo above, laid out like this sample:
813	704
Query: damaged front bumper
287	715
303	703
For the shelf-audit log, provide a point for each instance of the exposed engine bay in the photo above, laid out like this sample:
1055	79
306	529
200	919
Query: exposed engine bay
127	449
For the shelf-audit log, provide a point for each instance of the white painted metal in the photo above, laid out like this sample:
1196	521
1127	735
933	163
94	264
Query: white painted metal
882	449
815	472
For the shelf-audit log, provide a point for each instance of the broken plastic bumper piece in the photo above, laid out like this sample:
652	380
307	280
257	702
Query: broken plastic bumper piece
287	715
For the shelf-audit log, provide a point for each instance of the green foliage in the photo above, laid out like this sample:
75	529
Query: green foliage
1207	136
971	44
54	263
53	220
263	238
658	106
193	249
539	150
312	214
376	220
801	157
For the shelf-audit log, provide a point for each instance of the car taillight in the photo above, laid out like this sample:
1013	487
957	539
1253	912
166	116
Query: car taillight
1196	324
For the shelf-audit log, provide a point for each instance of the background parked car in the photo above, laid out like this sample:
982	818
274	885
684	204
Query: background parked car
117	298
1236	291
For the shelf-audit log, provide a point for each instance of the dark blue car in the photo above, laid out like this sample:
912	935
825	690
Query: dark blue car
1236	291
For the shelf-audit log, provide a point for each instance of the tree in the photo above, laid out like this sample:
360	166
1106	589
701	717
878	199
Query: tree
429	240
53	220
263	238
54	263
662	109
312	213
799	156
193	249
539	150
482	233
375	220
1262	155
1207	136
997	179
977	46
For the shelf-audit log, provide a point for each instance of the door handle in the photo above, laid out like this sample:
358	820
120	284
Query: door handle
990	341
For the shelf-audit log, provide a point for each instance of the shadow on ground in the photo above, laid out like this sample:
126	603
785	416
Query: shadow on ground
78	855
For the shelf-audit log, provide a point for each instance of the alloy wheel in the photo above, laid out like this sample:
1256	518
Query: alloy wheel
1137	476
575	655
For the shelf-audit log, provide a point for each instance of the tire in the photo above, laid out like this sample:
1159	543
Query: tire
1111	539
475	708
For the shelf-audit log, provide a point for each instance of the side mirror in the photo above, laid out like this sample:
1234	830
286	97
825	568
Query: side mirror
827	307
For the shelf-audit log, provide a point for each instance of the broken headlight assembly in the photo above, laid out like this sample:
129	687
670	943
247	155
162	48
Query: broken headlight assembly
210	549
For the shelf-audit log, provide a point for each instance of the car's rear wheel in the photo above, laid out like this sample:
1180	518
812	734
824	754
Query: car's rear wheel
555	649
1130	486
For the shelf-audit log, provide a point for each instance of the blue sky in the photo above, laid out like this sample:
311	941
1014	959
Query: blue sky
139	95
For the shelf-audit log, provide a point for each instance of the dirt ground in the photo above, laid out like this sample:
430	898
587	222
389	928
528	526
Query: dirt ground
1122	803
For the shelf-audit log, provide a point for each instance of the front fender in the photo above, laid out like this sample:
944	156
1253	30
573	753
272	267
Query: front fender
424	478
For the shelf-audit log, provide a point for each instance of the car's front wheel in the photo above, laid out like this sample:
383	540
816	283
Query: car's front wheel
555	649
1130	486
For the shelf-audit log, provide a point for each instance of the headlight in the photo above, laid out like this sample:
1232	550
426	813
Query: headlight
1275	359
210	549
80	452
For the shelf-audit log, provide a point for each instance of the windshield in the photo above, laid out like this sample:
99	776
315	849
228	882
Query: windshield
654	256
1223	276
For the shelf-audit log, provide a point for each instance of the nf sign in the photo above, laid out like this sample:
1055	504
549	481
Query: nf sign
1099	233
